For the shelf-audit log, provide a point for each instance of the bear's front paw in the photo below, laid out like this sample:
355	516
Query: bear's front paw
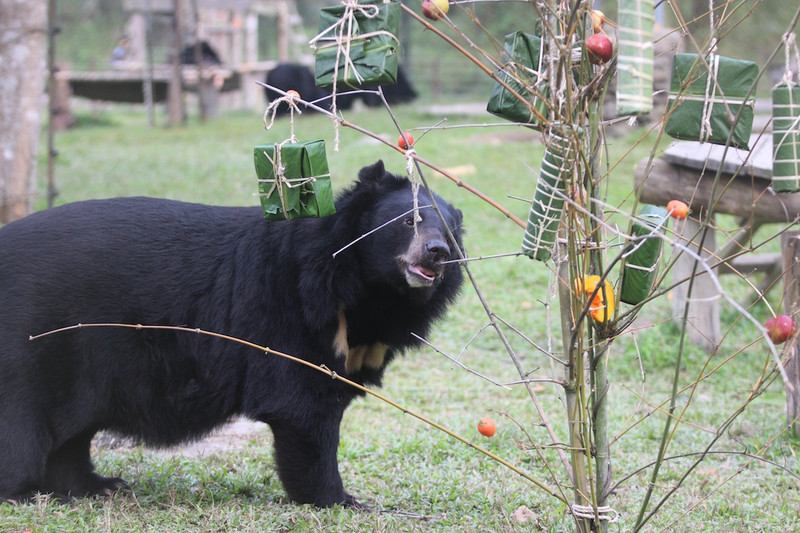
351	502
105	486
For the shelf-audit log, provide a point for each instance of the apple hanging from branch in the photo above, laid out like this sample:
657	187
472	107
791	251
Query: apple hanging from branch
780	328
599	48
435	9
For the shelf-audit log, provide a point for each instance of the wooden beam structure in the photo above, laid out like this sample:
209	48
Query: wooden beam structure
688	172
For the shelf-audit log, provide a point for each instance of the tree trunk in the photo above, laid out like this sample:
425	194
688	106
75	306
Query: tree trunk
23	38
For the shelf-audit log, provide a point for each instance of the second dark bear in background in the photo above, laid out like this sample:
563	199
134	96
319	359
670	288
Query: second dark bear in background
222	269
286	76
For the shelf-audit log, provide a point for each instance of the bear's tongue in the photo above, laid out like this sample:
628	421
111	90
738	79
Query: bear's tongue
422	271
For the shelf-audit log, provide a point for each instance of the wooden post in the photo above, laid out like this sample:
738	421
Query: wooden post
253	94
175	91
283	33
52	102
703	325
790	246
205	87
147	83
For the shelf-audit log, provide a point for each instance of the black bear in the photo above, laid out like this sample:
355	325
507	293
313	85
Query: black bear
292	76
401	92
208	56
223	269
286	76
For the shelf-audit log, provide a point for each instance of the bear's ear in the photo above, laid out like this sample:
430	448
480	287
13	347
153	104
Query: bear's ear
373	173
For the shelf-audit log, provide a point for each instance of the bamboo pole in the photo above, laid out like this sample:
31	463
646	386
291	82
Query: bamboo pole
599	361
573	377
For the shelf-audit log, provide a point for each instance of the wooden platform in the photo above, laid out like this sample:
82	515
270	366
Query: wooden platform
687	171
126	84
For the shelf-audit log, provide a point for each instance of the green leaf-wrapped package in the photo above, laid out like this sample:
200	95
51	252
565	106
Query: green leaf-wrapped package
635	57
548	199
640	266
302	188
704	110
523	71
359	47
786	138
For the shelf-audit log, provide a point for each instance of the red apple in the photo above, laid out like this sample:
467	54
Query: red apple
599	48
405	141
434	9
780	328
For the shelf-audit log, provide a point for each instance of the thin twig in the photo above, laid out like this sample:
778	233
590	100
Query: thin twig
449	175
459	363
370	232
325	370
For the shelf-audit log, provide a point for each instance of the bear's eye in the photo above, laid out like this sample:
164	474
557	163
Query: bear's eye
409	221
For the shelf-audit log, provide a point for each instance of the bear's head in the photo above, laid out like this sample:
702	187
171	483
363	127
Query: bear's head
400	253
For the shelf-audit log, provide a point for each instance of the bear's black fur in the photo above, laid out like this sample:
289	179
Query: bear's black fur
300	78
222	269
288	76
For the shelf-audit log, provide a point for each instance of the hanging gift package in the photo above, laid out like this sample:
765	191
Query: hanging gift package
635	57
293	180
786	122
642	262
711	108
786	138
523	71
357	45
548	199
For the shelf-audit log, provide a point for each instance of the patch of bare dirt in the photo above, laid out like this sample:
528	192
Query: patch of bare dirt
231	436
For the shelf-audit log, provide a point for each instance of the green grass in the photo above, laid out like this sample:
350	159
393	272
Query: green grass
424	479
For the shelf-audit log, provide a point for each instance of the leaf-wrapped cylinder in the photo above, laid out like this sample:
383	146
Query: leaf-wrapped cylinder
548	199
786	138
635	57
641	265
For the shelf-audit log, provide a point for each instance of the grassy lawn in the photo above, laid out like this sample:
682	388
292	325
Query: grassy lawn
422	478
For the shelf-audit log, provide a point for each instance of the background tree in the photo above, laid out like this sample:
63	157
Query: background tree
23	38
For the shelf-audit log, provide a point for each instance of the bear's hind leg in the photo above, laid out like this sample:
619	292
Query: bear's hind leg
22	460
307	464
69	472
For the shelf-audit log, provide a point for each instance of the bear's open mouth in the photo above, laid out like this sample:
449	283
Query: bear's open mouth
420	276
422	271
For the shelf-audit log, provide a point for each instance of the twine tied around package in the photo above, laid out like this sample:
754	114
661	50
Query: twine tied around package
790	49
603	513
711	80
710	94
342	33
291	99
280	180
410	153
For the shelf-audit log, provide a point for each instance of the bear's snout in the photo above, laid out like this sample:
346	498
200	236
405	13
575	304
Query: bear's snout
437	250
